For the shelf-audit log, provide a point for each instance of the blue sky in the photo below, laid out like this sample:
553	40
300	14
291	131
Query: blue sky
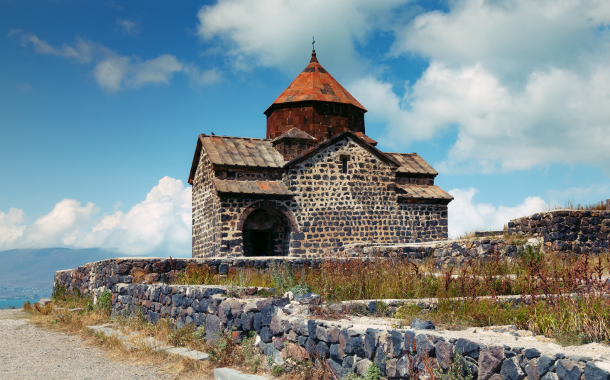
101	103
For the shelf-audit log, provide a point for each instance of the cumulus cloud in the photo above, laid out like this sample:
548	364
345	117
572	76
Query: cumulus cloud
159	224
131	28
114	72
522	82
466	216
117	72
277	33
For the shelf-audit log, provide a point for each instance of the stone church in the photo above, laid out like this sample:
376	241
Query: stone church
315	183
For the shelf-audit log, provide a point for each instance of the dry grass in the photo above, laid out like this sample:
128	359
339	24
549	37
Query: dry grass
243	355
571	205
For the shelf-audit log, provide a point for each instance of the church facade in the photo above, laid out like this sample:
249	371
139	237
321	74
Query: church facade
315	183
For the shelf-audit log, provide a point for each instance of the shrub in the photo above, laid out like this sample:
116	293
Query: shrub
104	301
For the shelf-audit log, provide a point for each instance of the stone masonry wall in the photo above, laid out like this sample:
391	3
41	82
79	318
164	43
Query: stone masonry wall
397	352
334	208
206	203
567	230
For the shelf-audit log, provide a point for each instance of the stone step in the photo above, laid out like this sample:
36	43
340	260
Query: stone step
232	374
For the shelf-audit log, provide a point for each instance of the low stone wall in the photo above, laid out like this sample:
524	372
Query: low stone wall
567	230
283	332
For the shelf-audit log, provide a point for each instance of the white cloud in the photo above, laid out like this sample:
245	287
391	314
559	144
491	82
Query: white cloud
523	83
159	224
114	72
202	78
82	51
466	216
596	192
510	38
277	33
129	27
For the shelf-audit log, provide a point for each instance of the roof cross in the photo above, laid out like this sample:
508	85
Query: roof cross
313	44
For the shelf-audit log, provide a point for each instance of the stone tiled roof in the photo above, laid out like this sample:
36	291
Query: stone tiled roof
296	134
251	187
422	192
315	83
241	151
411	163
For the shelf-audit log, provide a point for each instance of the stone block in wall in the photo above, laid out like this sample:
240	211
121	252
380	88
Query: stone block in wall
425	347
467	348
566	370
597	371
214	329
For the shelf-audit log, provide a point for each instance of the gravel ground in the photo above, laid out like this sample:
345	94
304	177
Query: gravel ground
29	352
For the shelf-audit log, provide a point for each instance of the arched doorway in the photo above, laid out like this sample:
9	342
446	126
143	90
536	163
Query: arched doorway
266	232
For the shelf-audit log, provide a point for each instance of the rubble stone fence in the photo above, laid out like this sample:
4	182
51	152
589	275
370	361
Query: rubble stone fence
397	352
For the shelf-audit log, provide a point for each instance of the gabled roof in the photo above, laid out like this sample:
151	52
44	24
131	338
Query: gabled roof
251	187
412	163
343	135
237	152
413	191
315	83
295	134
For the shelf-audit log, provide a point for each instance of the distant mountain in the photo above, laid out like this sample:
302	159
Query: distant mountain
35	268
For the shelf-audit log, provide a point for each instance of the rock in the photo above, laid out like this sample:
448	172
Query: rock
370	343
488	365
321	334
363	366
292	350
332	333
345	344
336	368
531	353
531	370
550	376
267	314
334	352
358	346
308	299
444	354
398	343
424	346
310	346
511	370
213	329
495	376
597	371
467	348
390	368
566	370
323	350
312	328
418	324
403	367
278	358
266	334
278	342
277	325
349	363
380	359
544	364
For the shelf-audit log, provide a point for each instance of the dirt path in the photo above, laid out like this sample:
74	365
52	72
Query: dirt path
29	352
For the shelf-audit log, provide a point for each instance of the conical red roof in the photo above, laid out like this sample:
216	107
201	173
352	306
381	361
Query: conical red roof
315	83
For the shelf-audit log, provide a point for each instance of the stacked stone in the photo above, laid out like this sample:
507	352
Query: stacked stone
398	353
568	230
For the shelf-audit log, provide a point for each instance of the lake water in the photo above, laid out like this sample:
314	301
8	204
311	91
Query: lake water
4	304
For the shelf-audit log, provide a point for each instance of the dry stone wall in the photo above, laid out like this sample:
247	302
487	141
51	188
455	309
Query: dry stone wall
398	353
567	230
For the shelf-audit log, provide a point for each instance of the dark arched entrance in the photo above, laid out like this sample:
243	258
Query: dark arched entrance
266	232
